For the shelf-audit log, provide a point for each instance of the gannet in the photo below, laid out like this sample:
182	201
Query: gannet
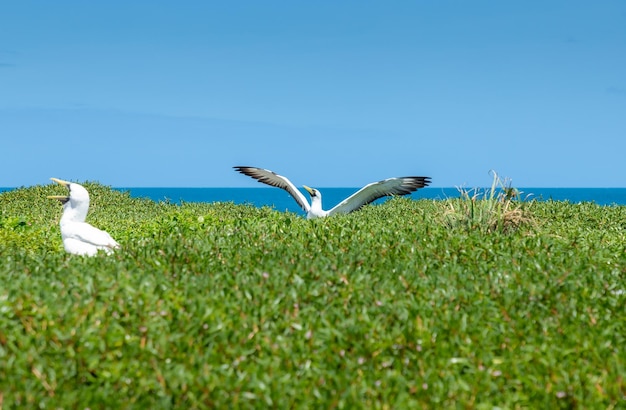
364	196
79	237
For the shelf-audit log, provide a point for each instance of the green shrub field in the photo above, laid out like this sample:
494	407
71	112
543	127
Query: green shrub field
472	303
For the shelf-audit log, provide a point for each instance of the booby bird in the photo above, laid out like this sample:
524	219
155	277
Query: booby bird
364	196
79	237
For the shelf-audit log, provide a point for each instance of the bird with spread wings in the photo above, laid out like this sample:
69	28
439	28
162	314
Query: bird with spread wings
364	196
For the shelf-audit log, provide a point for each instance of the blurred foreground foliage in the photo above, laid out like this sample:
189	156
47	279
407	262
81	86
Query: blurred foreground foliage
224	305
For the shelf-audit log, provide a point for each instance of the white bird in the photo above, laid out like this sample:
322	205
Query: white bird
364	196
79	237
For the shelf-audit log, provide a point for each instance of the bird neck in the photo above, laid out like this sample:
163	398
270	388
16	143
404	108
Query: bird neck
316	210
76	213
316	204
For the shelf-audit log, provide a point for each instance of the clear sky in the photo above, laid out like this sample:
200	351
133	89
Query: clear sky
328	93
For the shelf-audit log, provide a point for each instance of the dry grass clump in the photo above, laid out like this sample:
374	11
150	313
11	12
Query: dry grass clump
497	209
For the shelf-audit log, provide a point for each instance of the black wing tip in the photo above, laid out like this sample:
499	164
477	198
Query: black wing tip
242	168
264	176
249	171
416	182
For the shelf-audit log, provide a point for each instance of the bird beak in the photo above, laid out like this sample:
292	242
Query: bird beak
60	181
62	198
308	189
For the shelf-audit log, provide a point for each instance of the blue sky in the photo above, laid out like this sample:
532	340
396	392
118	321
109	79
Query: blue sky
328	93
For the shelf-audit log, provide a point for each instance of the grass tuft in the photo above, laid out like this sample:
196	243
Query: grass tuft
497	209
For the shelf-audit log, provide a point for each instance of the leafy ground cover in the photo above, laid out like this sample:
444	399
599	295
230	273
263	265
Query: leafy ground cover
223	305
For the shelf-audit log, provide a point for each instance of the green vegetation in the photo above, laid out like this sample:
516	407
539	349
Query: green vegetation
223	305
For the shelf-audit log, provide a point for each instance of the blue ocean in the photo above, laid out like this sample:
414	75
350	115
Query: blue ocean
280	200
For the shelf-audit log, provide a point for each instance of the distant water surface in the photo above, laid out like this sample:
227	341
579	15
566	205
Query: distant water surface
280	200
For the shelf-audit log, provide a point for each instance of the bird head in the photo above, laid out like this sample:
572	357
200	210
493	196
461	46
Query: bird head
77	199
62	198
312	191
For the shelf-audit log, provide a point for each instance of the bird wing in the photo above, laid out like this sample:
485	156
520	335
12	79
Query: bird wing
375	190
90	234
271	178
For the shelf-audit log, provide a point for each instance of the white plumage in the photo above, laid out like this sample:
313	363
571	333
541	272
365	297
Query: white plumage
79	237
364	196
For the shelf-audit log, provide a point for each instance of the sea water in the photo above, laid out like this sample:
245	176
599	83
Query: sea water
281	200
